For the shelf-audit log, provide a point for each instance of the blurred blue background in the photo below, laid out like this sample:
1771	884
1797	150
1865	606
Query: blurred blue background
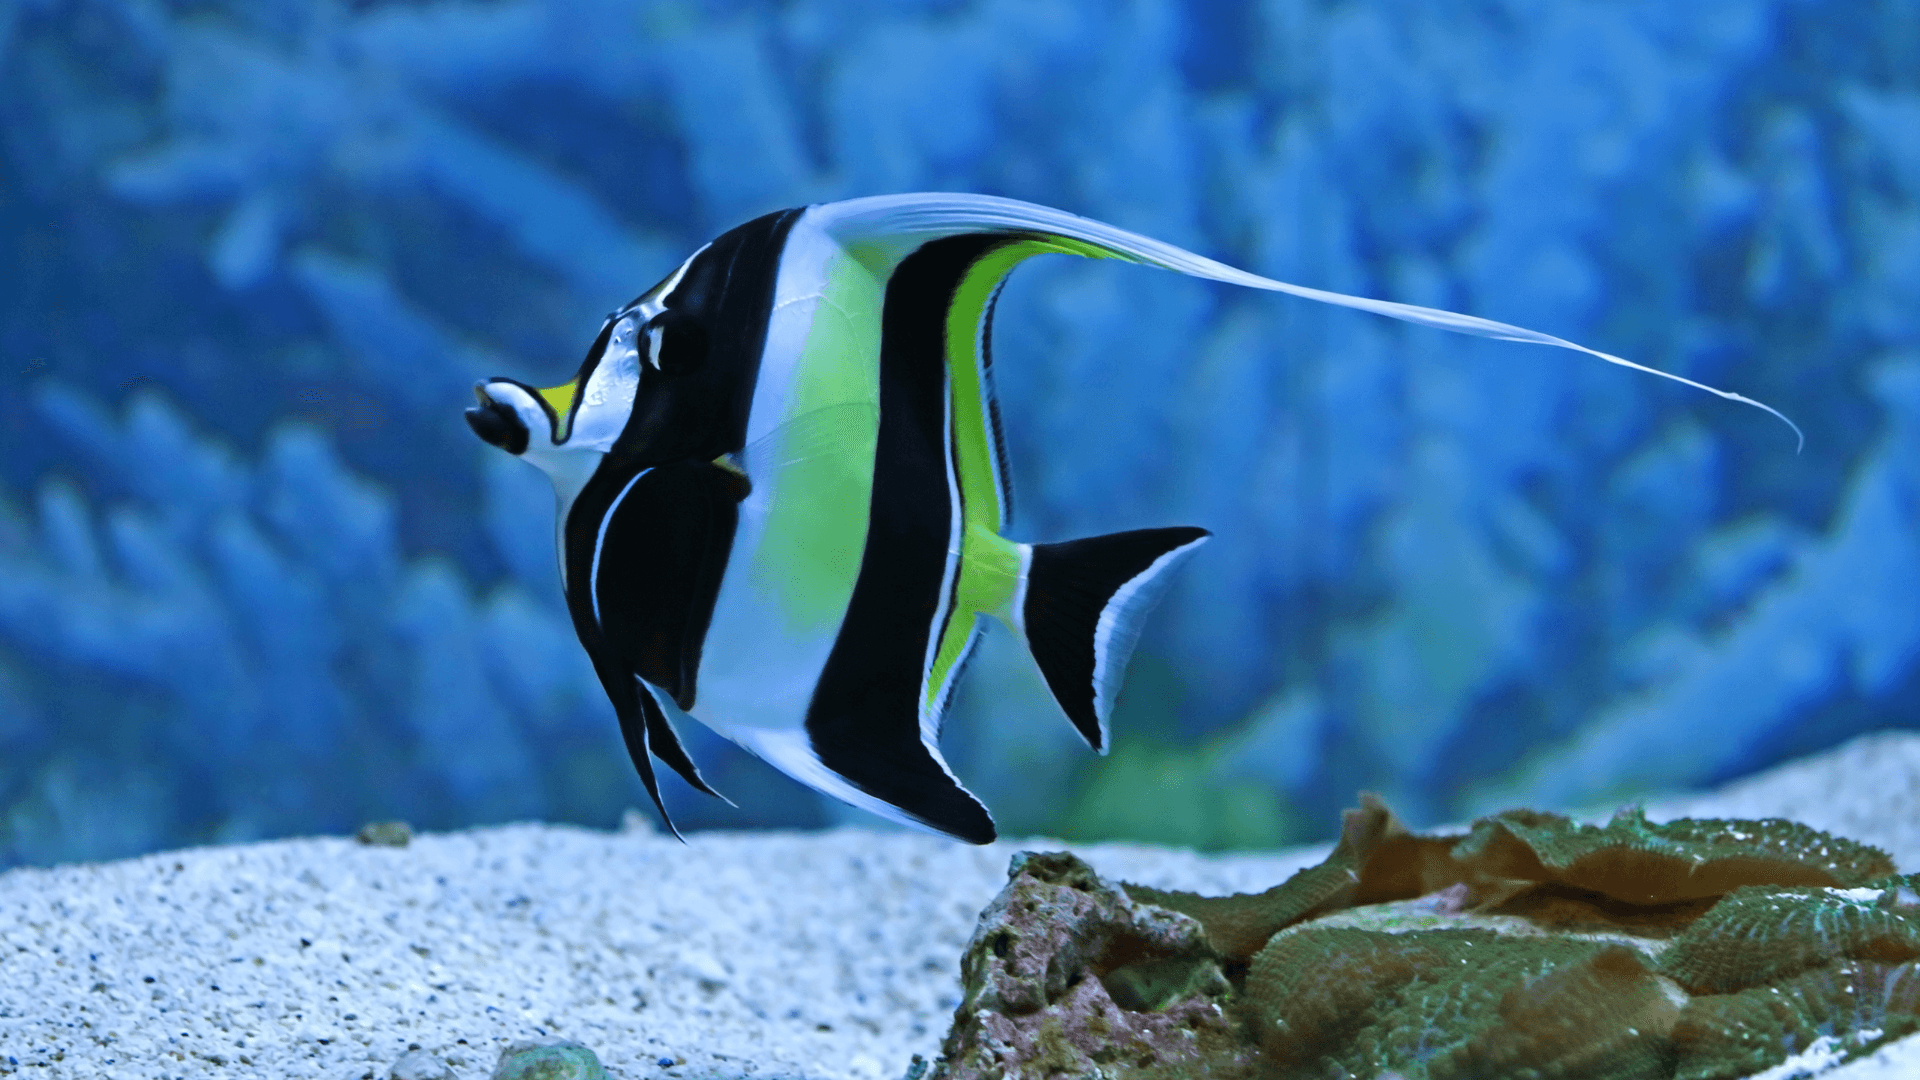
257	578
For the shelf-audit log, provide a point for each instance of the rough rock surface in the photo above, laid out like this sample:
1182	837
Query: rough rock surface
1067	975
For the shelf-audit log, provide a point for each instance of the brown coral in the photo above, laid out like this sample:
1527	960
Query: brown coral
1634	860
1238	926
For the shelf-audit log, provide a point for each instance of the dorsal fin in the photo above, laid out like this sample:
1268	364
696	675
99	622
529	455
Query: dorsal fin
906	221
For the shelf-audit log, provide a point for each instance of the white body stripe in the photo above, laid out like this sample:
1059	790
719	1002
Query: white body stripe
655	336
956	529
607	400
760	664
787	749
600	542
1017	618
798	289
569	469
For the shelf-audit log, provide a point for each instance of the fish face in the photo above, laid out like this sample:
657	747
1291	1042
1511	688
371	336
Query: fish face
610	381
542	424
501	417
531	424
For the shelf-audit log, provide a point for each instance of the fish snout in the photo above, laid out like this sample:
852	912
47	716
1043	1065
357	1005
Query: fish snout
497	422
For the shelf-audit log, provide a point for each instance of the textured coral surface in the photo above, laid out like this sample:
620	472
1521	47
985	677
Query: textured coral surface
1067	975
1533	947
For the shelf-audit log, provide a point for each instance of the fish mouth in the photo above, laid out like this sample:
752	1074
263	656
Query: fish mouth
497	423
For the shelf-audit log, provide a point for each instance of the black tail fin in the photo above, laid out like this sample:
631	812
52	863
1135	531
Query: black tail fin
1084	606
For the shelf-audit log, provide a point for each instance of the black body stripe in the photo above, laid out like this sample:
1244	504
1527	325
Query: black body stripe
699	411
864	719
993	407
672	543
663	557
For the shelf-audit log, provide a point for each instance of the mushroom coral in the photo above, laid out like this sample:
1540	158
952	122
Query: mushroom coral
1530	946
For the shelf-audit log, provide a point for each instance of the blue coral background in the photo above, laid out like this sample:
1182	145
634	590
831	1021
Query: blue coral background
257	578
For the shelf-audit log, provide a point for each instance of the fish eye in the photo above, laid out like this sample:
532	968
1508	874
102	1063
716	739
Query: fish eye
677	342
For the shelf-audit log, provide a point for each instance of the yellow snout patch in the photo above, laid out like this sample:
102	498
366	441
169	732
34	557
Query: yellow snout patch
560	400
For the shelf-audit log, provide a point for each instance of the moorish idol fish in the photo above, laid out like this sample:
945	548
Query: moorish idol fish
781	485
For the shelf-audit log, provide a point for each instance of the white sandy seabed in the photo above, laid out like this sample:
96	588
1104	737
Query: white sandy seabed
775	955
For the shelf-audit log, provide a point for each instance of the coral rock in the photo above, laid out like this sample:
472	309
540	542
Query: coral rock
1068	975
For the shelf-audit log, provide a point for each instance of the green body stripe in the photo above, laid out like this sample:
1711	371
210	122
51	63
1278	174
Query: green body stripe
816	531
989	576
972	436
989	563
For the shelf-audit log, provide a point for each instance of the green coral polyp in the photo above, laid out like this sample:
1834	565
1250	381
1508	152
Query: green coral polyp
1858	1004
1369	1000
1756	935
1604	1015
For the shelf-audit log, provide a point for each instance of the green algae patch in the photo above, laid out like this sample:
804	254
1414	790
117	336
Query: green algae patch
1533	946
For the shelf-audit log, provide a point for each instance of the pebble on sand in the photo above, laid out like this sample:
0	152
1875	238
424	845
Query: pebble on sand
560	1060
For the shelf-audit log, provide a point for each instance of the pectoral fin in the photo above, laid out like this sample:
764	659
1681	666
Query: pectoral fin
656	569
